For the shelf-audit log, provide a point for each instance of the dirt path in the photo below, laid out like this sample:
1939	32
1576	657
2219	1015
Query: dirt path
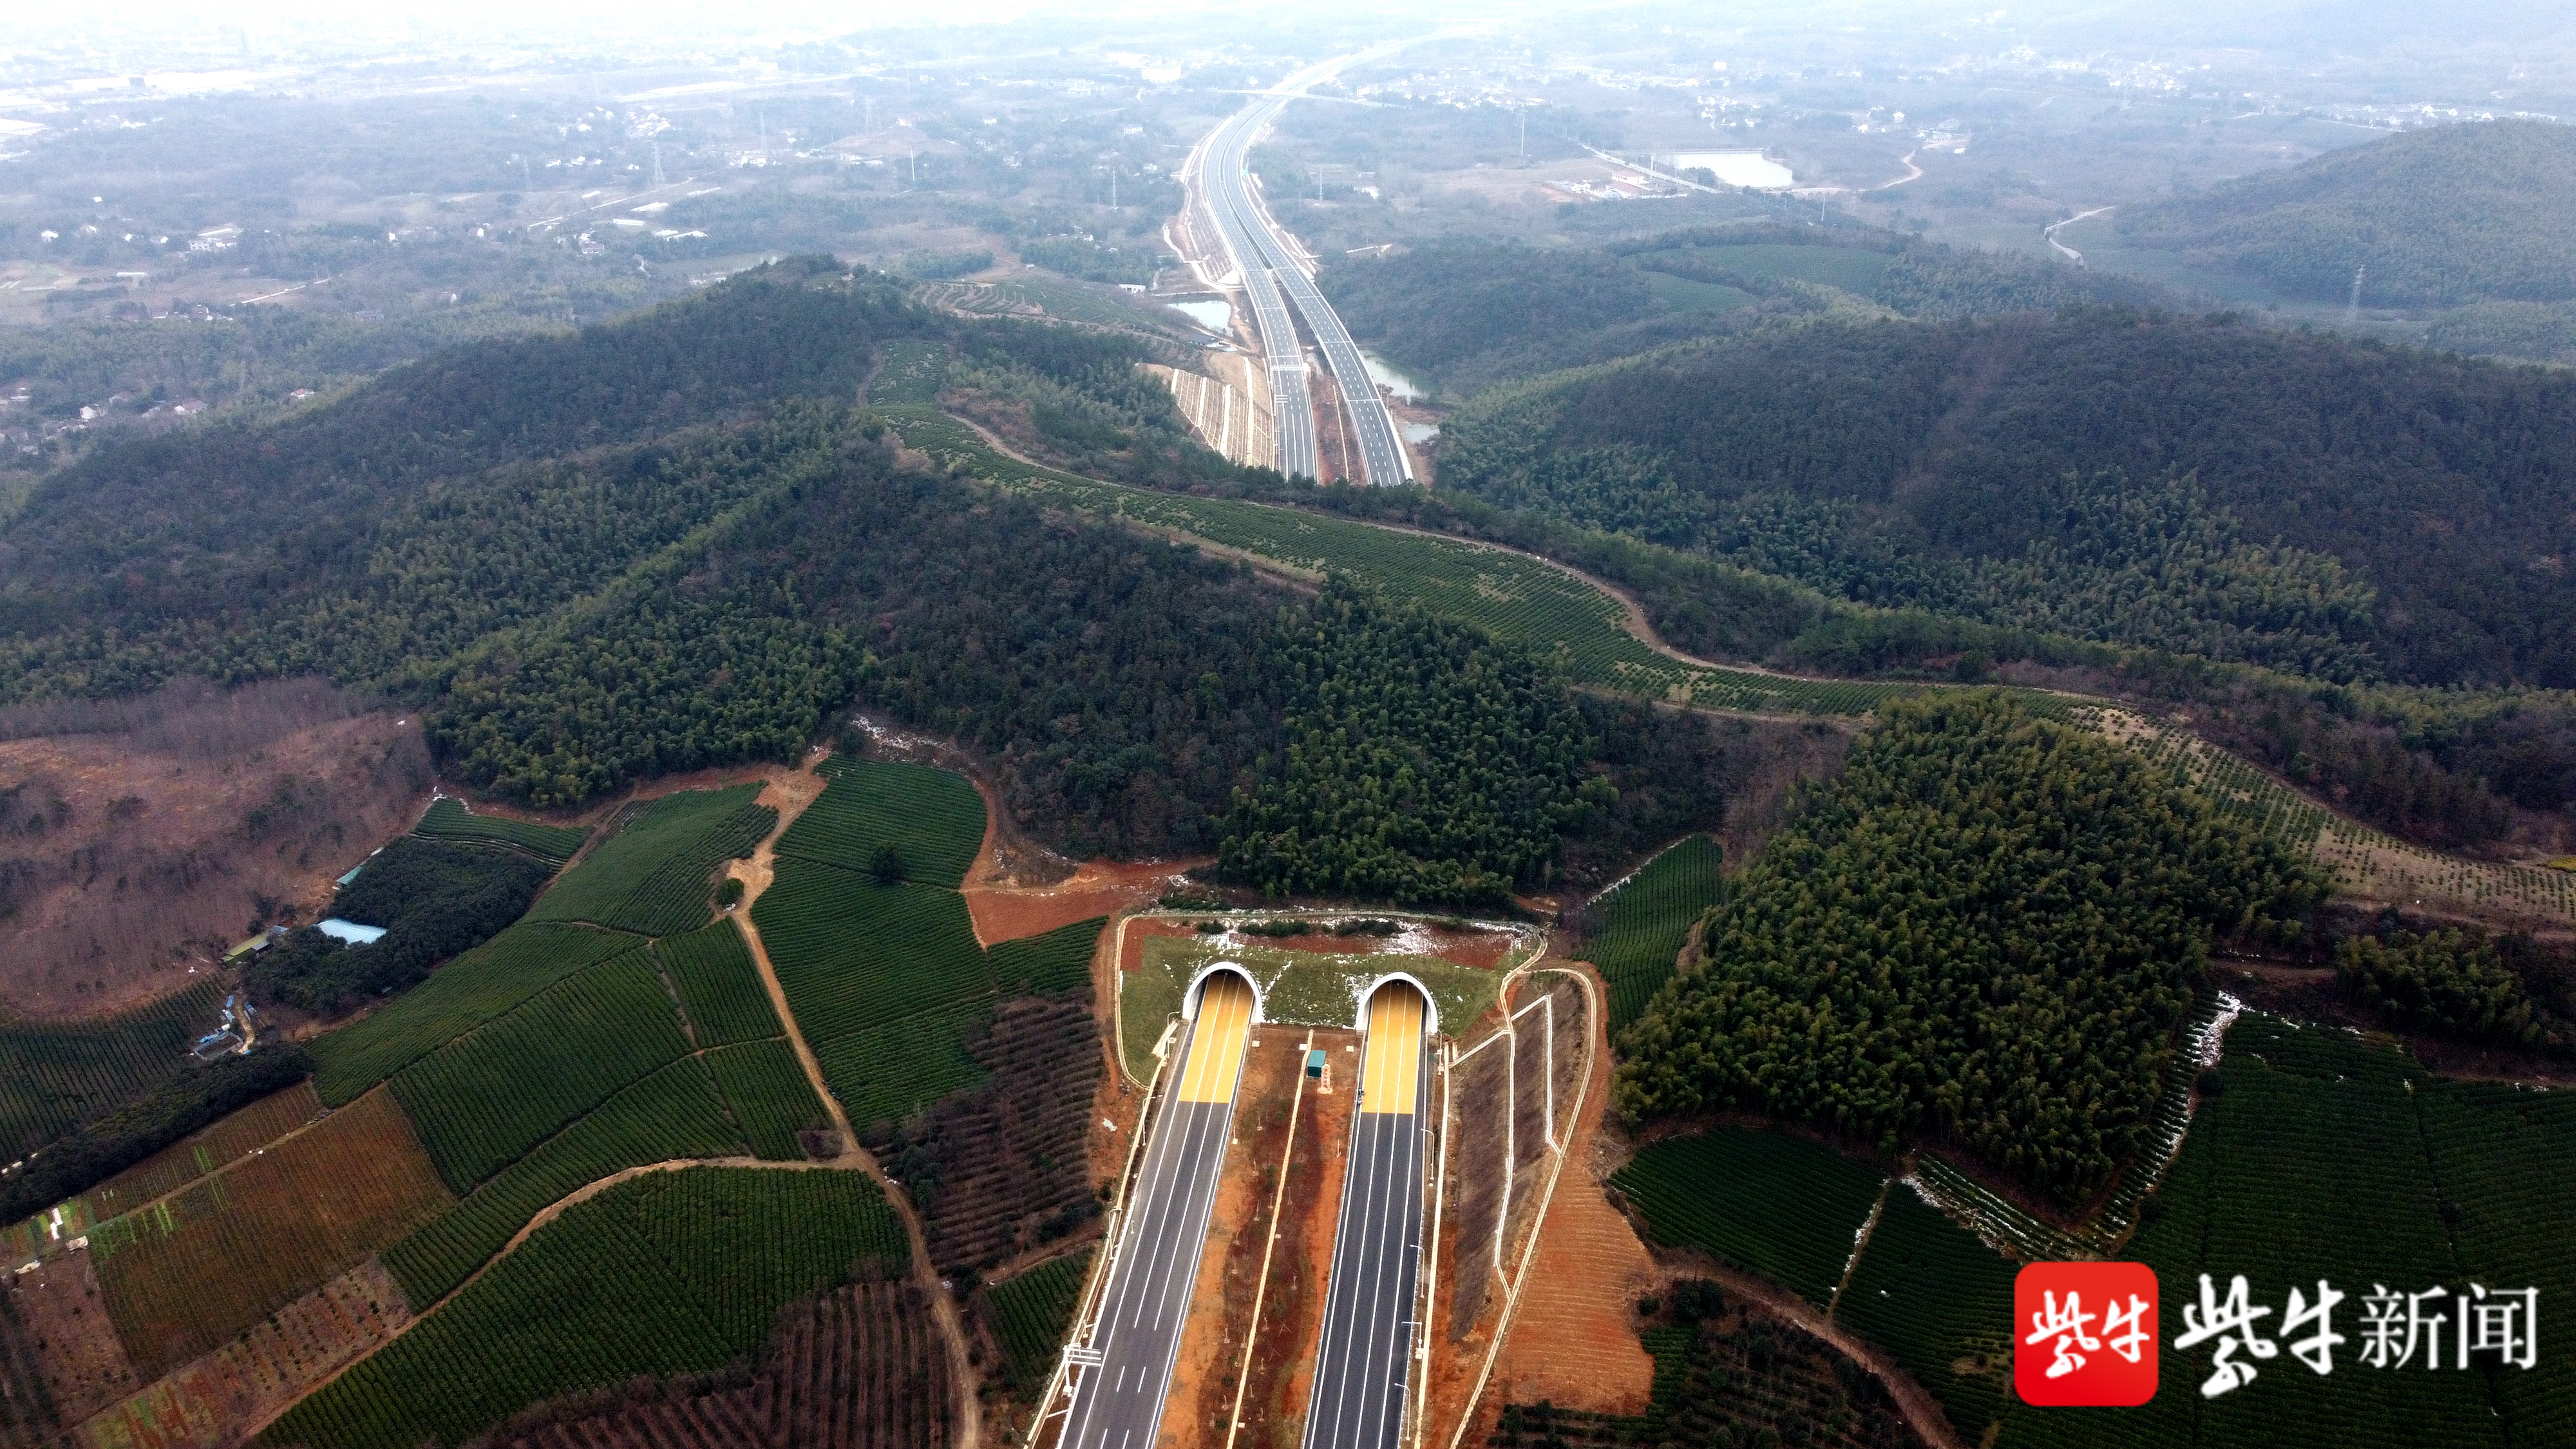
791	797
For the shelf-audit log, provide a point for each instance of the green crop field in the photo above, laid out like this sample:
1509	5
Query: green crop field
887	984
1055	964
1939	1300
58	1076
884	1074
909	370
934	818
765	1085
1721	1191
485	1099
1031	1313
448	819
719	985
1639	925
476	987
853	954
670	1273
674	1113
2324	1156
656	875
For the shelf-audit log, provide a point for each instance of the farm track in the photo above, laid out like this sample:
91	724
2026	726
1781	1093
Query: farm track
756	873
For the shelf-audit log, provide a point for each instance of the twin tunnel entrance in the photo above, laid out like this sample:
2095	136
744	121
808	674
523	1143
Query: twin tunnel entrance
1364	1352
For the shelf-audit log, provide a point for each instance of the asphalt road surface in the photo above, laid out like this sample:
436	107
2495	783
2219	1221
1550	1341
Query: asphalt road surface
1367	1349
1118	1403
1292	406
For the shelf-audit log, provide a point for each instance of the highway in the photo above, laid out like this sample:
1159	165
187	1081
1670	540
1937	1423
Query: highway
1118	1402
1292	406
1268	263
1363	1362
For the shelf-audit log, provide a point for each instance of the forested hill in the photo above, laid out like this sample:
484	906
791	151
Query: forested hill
192	522
2441	217
2323	505
1468	314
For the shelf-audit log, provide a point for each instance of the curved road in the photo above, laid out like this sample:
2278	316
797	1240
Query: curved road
1269	265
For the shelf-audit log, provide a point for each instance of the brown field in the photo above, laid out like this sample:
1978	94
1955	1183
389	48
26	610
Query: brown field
1573	1339
144	836
1013	1176
56	1341
1102	888
860	1368
183	1162
212	1401
193	1270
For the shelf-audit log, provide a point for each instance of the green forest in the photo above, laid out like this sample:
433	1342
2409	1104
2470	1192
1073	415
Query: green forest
2441	216
1469	314
1986	933
2195	484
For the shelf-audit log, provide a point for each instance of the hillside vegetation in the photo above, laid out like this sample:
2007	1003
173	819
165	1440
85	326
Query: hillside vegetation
2441	217
1987	931
1470	314
2329	507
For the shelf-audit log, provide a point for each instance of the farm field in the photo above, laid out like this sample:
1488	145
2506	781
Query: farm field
1007	1157
192	1271
482	1101
720	989
765	1086
1055	964
1031	1312
2270	1185
484	983
667	1273
674	1113
1720	1192
183	1162
1939	1301
56	1077
1740	1376
933	818
2462	1183
448	819
861	1368
1639	924
655	875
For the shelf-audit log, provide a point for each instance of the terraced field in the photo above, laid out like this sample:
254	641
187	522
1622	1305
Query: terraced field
668	1273
1639	925
655	876
932	818
55	1077
448	819
484	983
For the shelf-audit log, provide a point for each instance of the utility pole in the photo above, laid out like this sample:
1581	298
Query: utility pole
1525	135
657	165
2352	309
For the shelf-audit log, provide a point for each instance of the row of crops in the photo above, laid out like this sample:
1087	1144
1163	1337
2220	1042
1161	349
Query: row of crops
668	1273
194	1270
448	819
1030	1314
1637	926
56	1077
932	820
485	983
655	876
2320	1156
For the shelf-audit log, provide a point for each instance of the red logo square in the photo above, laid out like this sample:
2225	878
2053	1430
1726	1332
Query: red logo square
2085	1333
